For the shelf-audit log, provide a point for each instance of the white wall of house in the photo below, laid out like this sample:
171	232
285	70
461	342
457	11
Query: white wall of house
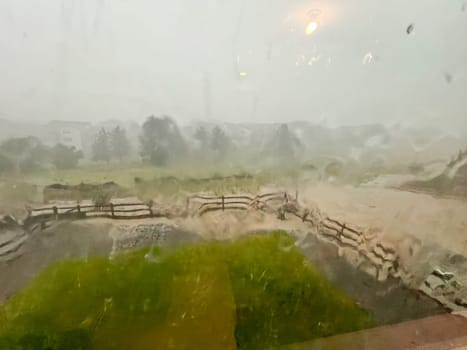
71	137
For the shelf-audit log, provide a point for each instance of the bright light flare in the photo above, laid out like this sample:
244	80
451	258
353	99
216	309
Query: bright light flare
243	74
368	58
311	27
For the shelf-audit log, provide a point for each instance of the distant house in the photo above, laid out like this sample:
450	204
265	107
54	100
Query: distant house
70	137
68	133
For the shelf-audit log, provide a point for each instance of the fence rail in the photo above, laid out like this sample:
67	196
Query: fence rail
206	204
79	211
195	205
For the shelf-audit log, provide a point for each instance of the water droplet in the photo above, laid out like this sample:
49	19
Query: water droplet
368	58
448	77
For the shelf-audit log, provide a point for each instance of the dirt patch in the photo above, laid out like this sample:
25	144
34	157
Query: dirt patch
395	214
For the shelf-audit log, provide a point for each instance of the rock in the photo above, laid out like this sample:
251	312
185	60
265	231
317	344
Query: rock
352	256
383	273
434	282
443	275
8	222
370	269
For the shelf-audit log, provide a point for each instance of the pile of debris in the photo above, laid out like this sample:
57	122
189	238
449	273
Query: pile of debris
446	283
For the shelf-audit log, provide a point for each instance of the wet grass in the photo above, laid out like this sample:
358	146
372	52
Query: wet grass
18	192
215	184
146	182
255	293
123	174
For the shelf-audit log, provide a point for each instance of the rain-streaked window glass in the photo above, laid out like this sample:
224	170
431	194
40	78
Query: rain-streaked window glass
223	174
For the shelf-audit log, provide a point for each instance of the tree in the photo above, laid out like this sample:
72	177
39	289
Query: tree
220	143
35	159
100	147
64	157
120	146
202	136
284	144
19	146
26	153
6	164
29	164
161	141
160	156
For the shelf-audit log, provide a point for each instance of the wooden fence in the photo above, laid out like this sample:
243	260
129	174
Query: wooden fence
380	254
79	211
195	205
199	205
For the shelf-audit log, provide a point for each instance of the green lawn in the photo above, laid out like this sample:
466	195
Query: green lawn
123	174
255	293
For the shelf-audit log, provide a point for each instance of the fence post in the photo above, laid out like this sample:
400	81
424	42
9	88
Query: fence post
55	209
112	209
78	208
223	205
187	204
286	199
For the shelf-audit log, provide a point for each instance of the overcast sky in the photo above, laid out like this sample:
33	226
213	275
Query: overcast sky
235	60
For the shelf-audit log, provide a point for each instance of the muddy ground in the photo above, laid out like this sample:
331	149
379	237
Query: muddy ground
433	220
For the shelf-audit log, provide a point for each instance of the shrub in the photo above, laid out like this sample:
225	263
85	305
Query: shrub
6	164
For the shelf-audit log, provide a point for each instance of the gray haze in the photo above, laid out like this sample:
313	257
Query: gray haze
126	59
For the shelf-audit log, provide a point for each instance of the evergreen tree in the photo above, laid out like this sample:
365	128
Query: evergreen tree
284	144
101	147
202	136
220	143
120	146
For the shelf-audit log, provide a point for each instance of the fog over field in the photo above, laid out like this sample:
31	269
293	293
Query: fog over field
235	61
